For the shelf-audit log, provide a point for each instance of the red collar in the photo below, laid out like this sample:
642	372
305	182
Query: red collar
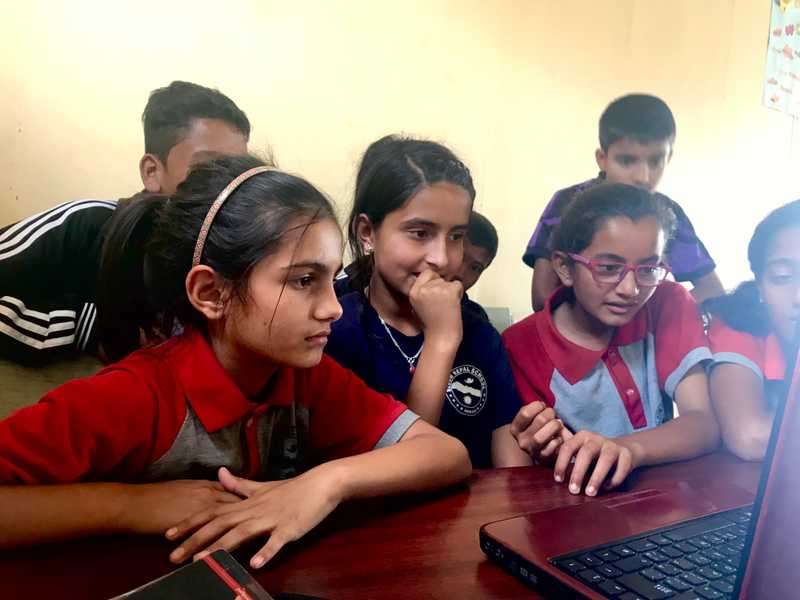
213	395
575	362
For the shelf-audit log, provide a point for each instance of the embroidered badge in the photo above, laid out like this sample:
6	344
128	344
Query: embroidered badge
467	390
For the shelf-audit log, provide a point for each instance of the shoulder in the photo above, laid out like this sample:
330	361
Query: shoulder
473	308
561	198
79	221
350	323
353	304
724	338
680	214
521	332
671	294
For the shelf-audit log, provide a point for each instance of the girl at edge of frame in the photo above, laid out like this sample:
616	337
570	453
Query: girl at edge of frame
754	332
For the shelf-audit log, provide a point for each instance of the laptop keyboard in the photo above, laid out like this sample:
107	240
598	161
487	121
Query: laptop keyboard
695	560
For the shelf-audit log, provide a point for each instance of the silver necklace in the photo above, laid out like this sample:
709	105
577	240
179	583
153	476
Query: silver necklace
410	359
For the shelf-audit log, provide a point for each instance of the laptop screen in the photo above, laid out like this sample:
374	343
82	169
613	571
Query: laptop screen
772	569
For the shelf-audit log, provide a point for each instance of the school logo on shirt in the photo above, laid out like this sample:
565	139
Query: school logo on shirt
466	390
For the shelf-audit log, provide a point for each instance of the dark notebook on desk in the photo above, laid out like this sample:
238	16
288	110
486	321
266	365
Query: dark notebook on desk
216	577
689	541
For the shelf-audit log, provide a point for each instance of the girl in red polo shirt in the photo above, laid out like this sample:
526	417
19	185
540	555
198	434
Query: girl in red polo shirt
753	330
243	256
613	348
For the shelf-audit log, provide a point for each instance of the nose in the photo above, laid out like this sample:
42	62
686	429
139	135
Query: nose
436	255
641	176
628	287
328	307
796	296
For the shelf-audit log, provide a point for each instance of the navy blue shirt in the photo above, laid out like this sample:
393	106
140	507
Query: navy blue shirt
481	395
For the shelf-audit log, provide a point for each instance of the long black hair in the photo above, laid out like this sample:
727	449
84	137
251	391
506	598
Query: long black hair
392	170
742	308
150	242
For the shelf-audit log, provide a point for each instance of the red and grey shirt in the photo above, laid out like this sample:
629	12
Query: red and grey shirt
628	386
172	412
762	355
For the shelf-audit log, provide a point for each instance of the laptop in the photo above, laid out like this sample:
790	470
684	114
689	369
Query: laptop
688	541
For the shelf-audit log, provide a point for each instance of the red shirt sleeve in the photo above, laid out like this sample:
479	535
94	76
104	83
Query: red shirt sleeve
100	427
530	364
680	340
729	345
346	416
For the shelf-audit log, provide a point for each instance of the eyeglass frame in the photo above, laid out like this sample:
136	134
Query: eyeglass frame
591	263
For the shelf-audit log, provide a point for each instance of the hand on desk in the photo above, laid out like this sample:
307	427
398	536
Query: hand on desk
285	510
155	506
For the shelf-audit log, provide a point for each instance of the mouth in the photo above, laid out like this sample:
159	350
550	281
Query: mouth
319	338
619	308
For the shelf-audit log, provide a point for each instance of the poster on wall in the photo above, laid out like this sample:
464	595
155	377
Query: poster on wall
782	77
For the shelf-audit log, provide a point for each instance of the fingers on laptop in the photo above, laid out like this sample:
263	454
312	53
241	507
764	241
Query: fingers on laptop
599	462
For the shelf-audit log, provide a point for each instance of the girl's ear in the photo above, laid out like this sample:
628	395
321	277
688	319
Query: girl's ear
562	266
365	233
206	292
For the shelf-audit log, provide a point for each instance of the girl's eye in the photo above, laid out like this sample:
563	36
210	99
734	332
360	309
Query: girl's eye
304	281
781	278
419	234
608	268
457	237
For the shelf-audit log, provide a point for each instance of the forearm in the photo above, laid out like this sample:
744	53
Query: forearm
687	436
707	286
506	451
424	462
429	384
47	513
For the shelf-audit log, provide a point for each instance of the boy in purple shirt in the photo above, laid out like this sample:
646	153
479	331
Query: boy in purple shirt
637	134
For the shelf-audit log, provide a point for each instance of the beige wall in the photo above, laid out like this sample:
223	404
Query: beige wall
515	87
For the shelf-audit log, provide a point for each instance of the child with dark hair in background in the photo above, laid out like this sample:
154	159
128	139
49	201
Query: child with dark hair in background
753	335
244	257
49	262
615	345
480	248
637	136
404	330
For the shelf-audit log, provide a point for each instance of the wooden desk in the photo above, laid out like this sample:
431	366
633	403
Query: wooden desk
397	548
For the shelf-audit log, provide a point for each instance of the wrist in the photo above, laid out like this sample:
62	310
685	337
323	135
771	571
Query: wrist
638	455
127	504
335	480
443	341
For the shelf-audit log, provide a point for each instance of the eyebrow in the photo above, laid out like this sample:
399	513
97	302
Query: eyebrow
781	262
431	224
313	265
650	260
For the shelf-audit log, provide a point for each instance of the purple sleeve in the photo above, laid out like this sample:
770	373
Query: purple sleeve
686	253
539	245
